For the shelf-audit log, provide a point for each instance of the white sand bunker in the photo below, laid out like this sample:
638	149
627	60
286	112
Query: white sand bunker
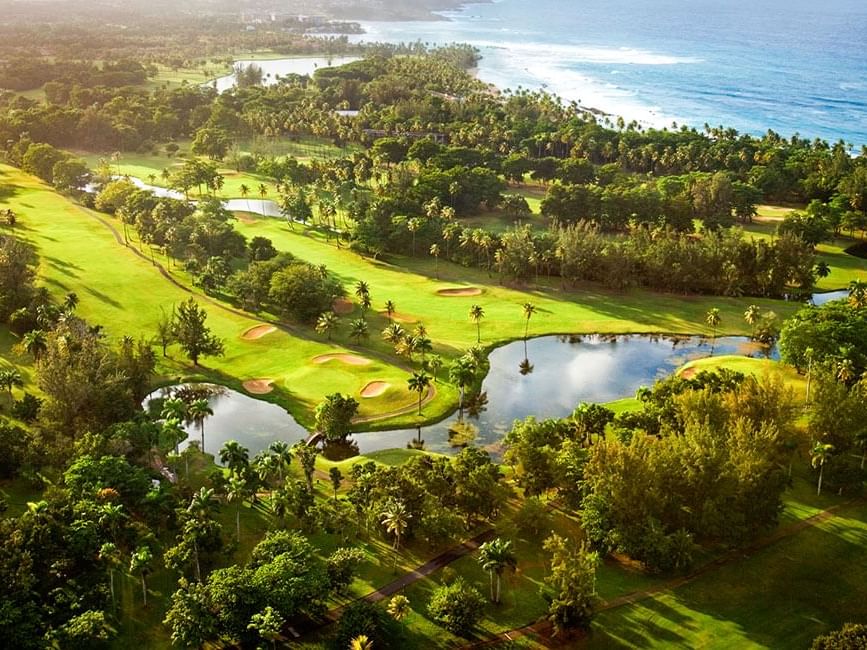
258	332
258	386
375	389
342	306
349	359
460	291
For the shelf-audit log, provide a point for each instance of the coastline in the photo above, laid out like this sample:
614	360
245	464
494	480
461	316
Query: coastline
408	11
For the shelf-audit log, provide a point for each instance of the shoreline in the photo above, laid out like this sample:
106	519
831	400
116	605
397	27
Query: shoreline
420	11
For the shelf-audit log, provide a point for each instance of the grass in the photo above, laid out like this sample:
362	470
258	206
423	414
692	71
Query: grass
751	366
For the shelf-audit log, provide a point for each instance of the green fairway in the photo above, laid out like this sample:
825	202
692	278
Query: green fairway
749	366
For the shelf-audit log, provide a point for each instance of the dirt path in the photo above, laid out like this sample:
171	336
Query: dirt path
544	628
431	393
443	559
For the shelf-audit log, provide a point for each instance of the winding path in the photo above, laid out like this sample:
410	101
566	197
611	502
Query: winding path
544	628
286	327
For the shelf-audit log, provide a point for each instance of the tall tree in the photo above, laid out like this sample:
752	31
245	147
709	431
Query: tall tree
141	562
495	557
194	335
819	455
198	412
327	323
477	313
419	382
712	318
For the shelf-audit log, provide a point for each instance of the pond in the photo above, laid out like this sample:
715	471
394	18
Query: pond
564	371
274	69
264	207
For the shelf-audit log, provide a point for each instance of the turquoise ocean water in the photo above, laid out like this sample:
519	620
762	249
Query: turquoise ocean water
794	66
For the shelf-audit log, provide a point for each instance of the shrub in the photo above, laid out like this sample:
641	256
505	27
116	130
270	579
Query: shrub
364	618
457	607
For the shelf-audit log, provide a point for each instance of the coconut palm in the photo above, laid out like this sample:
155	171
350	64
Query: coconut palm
265	465
495	557
845	371
819	455
110	554
70	302
327	323
434	364
358	330
435	251
712	318
245	192
389	309
858	294
395	518
235	456
263	191
361	642
477	313
362	289
174	408
140	562
35	342
10	378
198	411
236	492
752	315
399	607
529	309
282	453
461	373
822	269
419	382
393	333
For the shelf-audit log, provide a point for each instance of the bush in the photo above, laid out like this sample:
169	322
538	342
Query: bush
26	408
457	607
853	636
362	617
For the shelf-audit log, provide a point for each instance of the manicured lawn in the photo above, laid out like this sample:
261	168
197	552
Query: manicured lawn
751	366
782	596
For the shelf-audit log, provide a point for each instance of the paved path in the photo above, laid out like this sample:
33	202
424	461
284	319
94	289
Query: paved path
443	559
544	628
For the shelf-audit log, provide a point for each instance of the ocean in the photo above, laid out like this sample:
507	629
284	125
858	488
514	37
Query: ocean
794	66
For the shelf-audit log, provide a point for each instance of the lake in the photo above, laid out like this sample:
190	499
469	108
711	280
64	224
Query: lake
274	69
566	370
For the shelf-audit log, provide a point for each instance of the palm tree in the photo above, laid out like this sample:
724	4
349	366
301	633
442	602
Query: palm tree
70	302
389	309
361	642
529	309
110	554
413	225
35	342
822	269
9	379
477	313
462	373
395	518
845	371
263	192
858	294
265	465
712	318
174	408
358	330
236	492
393	333
235	456
861	441
751	316
327	323
362	289
198	412
245	192
434	364
435	251
282	453
495	557
819	455
141	562
399	607
419	382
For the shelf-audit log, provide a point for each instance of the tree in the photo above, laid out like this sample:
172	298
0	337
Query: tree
395	518
282	455
198	411
237	492
35	342
110	554
852	636
751	316
529	309
435	252
327	323
712	318
333	416
477	313
336	477
361	642
244	191
306	455
141	562
462	373
495	557
571	583
858	294
167	327
389	309
10	378
457	607
267	624
419	382
235	456
819	455
399	607
358	330
193	335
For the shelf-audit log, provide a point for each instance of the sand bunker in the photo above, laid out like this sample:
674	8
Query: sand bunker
375	389
403	318
258	332
349	359
342	306
258	386
457	292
